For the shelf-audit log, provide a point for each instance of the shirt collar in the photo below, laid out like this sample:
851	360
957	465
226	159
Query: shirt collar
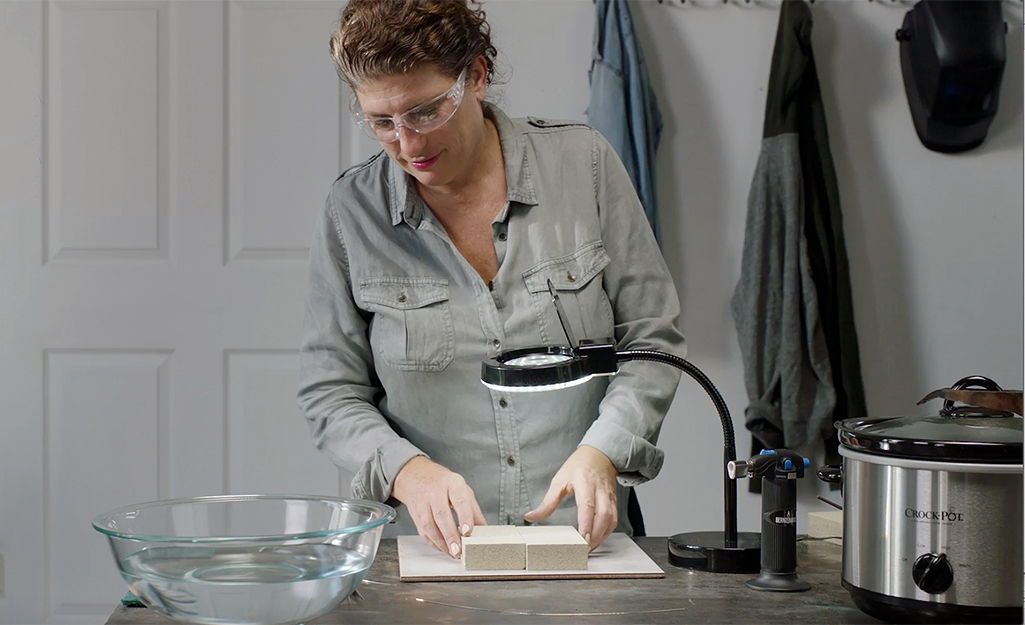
518	181
407	206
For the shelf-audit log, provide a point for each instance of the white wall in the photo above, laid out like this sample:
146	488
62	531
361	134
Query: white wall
934	241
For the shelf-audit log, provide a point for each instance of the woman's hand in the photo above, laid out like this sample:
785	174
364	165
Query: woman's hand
591	477
432	492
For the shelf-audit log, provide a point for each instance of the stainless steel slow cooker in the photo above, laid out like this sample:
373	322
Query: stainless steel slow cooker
932	509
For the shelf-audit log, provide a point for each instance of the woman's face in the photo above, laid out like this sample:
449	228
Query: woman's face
445	155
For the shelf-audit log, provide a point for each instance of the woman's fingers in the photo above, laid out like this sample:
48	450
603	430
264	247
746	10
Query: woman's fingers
432	493
465	506
556	493
442	517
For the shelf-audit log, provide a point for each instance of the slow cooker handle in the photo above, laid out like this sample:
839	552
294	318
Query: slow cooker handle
977	381
831	473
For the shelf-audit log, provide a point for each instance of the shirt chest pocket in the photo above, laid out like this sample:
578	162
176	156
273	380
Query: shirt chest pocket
578	279
412	325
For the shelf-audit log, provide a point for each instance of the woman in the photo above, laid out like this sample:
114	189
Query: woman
435	254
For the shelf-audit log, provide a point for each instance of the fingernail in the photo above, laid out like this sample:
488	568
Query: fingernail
465	529
454	550
587	537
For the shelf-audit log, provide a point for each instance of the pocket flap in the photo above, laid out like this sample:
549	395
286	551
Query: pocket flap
568	273
403	293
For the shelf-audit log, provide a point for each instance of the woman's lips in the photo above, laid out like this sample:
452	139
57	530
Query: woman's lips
424	164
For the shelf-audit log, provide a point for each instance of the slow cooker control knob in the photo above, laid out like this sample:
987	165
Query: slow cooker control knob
933	573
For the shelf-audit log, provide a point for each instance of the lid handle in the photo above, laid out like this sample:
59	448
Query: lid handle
977	381
992	401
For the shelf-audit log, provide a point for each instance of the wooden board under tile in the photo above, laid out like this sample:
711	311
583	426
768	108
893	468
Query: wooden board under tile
618	557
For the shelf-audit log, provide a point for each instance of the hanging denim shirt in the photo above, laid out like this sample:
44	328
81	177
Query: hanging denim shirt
623	105
398	322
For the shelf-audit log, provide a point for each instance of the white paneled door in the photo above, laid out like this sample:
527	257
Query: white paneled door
161	163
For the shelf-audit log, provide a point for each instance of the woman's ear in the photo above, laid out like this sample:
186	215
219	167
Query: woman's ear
479	77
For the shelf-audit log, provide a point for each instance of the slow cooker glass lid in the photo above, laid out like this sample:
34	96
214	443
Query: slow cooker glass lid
967	438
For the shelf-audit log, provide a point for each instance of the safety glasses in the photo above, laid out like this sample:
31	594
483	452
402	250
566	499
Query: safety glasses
421	119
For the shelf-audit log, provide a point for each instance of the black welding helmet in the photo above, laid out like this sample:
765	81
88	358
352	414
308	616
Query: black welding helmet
952	55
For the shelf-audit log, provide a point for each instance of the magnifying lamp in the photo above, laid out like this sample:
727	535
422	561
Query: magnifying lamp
549	367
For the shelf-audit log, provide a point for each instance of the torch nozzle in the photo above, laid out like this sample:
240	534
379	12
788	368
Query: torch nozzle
737	468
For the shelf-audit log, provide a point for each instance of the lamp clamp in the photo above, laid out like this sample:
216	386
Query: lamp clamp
600	355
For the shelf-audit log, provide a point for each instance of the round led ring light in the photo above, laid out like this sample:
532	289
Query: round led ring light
542	368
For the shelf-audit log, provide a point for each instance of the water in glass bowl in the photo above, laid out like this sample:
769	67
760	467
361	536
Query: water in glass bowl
244	586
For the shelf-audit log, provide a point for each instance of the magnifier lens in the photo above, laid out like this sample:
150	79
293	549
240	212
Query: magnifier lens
537	360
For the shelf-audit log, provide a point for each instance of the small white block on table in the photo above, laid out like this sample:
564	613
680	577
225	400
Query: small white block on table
494	547
554	548
827	524
534	548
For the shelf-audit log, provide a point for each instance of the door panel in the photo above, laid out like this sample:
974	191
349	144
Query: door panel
95	463
284	123
106	127
267	453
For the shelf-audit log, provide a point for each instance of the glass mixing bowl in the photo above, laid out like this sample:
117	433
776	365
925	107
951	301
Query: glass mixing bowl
245	559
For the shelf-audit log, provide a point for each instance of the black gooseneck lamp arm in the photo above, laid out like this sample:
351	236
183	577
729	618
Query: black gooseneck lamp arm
729	444
547	367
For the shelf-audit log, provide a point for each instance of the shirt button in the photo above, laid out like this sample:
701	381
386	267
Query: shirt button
510	461
402	297
502	236
496	343
571	277
503	403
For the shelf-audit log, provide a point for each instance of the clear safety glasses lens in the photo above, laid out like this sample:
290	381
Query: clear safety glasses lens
421	119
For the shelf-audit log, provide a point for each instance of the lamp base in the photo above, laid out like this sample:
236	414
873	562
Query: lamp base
707	551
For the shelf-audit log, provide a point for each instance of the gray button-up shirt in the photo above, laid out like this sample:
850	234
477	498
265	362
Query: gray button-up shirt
398	322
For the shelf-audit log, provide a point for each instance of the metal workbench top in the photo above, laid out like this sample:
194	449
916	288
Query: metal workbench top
683	596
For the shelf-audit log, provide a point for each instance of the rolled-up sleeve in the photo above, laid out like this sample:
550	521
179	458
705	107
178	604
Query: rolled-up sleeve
646	310
338	387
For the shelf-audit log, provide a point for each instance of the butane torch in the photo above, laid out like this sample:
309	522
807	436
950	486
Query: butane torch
779	469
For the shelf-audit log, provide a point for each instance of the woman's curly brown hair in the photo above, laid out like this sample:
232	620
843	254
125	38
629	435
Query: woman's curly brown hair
376	38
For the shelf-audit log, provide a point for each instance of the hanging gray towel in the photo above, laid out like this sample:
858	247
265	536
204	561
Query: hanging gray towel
623	106
792	305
